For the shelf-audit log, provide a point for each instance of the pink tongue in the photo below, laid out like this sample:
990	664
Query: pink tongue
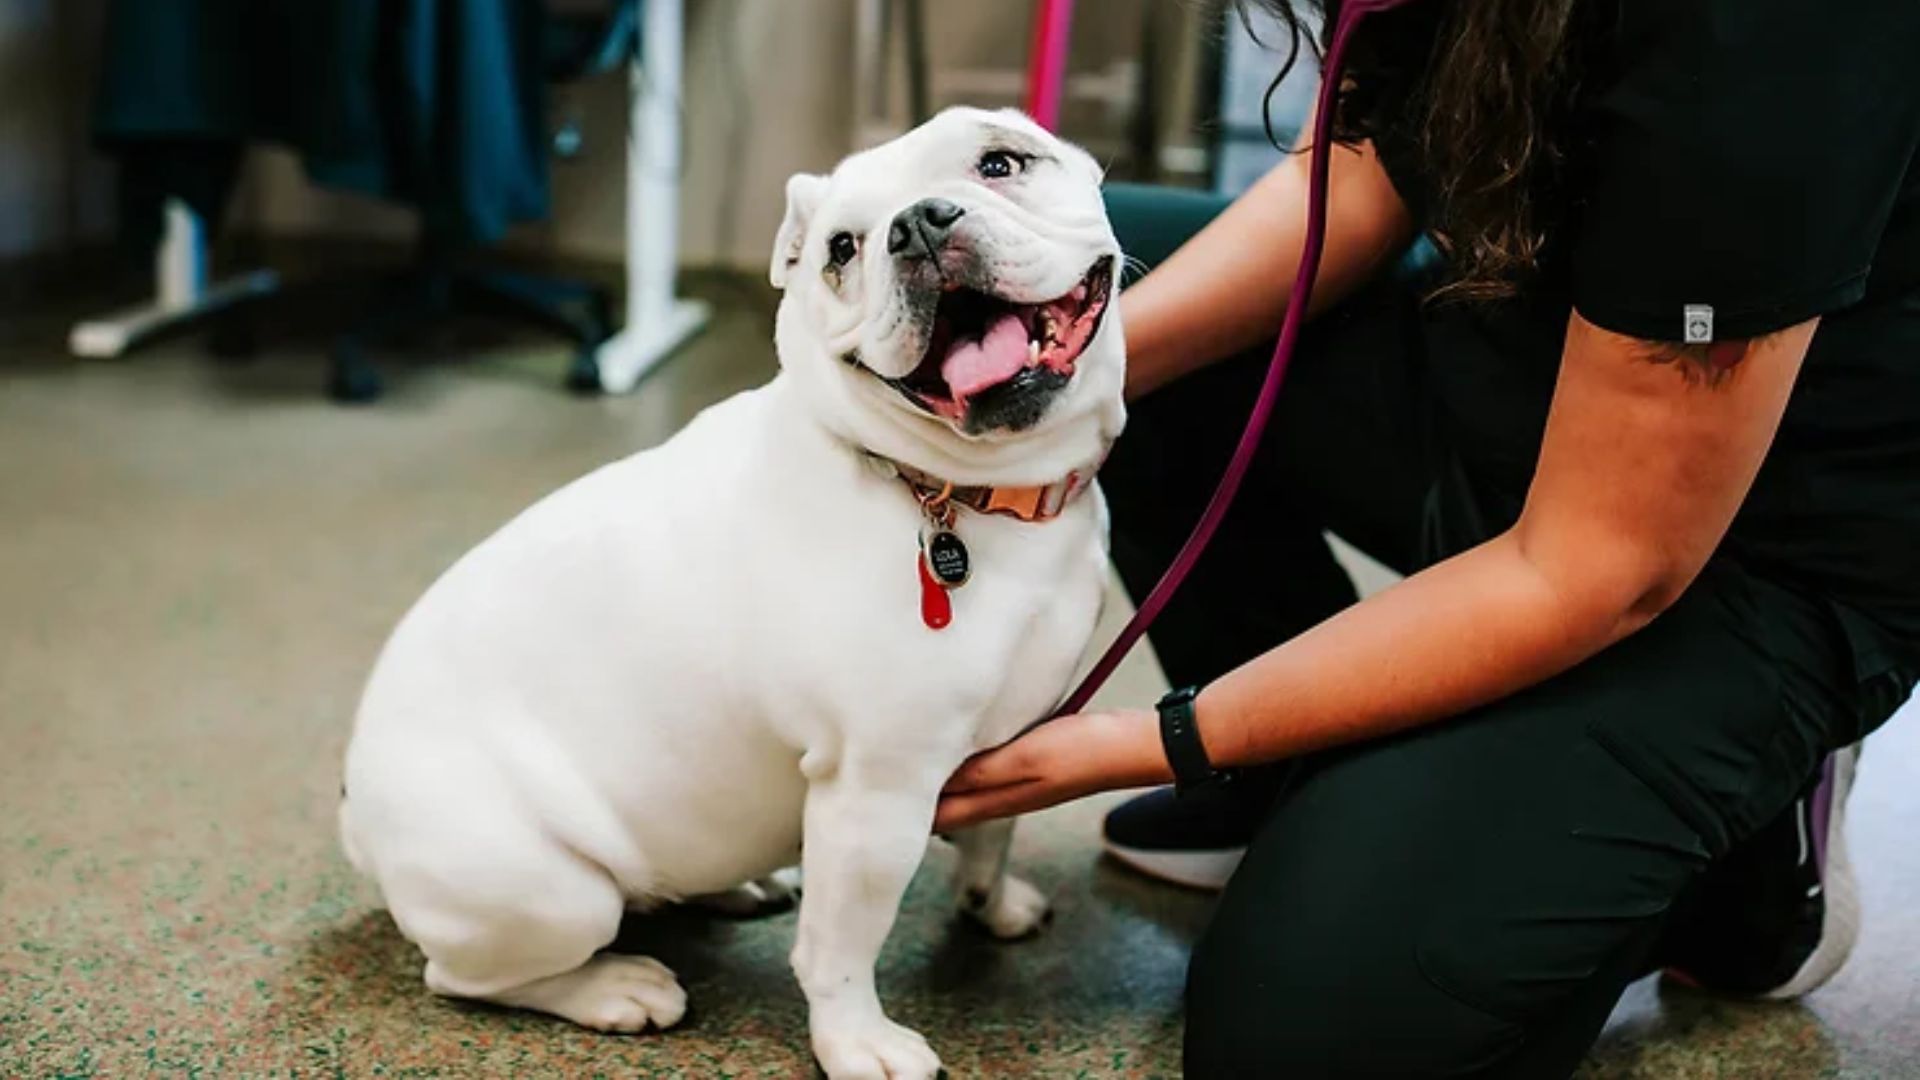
973	366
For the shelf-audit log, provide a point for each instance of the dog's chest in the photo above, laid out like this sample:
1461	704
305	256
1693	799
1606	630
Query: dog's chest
1017	629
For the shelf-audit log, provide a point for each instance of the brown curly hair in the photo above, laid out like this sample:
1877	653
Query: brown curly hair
1478	88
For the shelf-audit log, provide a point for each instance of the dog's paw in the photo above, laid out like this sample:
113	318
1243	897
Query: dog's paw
878	1049
786	882
622	994
770	895
1014	910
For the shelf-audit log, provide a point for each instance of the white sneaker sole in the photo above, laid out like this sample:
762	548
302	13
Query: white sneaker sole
1840	926
1209	870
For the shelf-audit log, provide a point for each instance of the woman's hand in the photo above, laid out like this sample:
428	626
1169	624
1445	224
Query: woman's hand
1068	758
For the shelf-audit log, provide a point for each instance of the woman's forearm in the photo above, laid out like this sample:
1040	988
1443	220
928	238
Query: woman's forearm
1226	289
1464	632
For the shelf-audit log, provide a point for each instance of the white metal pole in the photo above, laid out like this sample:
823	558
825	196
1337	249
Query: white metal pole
653	166
180	262
869	67
657	320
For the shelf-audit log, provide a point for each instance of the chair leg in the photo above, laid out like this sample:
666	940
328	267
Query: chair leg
583	374
581	312
405	301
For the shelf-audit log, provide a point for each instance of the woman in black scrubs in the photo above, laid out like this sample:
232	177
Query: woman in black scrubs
1648	448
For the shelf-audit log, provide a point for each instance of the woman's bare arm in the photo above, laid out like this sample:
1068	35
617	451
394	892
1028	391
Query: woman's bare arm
1641	471
1226	289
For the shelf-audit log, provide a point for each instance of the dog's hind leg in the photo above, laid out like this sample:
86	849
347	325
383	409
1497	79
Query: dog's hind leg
1006	905
608	993
519	920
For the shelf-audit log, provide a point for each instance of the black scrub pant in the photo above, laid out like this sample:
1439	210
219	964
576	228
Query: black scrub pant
1468	899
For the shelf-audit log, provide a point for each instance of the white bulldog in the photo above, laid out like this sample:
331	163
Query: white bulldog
775	636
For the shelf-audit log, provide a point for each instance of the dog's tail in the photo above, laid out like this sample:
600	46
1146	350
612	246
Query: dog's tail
352	851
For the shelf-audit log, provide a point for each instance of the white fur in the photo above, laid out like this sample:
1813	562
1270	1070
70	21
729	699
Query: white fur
659	680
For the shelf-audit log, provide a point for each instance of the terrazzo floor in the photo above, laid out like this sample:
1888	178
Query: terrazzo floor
198	561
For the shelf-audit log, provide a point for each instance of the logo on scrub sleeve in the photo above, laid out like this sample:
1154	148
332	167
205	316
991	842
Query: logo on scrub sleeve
1699	324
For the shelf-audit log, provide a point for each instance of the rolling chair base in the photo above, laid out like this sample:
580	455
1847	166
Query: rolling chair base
579	312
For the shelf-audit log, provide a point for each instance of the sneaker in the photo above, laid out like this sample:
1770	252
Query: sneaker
1779	915
1196	839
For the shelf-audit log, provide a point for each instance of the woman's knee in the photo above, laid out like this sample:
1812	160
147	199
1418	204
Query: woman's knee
1308	1011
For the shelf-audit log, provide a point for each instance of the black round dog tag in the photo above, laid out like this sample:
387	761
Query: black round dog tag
947	558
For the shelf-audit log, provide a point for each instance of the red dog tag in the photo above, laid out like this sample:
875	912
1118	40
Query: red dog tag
936	607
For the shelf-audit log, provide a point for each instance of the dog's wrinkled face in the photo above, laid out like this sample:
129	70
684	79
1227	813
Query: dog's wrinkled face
960	275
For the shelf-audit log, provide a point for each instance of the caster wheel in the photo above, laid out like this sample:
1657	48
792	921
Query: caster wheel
354	380
583	377
599	316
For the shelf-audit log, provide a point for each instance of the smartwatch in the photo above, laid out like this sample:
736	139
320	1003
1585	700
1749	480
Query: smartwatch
1180	738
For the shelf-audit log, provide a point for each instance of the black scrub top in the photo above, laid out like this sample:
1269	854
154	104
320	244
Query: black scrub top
1757	157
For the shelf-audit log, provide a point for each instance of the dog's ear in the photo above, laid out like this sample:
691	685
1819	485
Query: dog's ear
1090	165
804	192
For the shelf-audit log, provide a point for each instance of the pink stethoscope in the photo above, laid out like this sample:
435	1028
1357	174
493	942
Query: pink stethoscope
1045	74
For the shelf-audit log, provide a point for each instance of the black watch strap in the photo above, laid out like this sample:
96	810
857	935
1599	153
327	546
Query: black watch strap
1180	738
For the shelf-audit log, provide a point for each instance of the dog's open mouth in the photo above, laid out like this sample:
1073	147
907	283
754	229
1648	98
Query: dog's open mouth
984	348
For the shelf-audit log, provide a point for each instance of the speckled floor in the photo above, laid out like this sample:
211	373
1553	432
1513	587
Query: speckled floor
197	564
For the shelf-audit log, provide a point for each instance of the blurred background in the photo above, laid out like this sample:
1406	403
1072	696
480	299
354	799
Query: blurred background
352	135
301	299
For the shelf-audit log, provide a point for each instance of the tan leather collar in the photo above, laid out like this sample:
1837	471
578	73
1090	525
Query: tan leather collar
1035	504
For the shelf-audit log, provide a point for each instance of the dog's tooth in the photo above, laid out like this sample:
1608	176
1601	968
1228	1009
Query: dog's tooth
1033	353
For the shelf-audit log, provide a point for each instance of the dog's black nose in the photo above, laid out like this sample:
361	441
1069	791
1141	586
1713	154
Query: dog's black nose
919	231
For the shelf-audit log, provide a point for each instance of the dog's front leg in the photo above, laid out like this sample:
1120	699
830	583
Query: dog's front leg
1006	905
865	834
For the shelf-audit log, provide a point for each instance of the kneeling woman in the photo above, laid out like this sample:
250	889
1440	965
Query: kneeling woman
1647	447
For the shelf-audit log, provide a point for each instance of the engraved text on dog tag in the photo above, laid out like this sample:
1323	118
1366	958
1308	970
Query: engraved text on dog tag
948	559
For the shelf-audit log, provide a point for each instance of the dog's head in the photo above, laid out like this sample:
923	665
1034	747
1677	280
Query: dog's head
947	300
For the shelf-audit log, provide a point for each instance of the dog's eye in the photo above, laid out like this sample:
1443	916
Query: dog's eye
842	248
1000	164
